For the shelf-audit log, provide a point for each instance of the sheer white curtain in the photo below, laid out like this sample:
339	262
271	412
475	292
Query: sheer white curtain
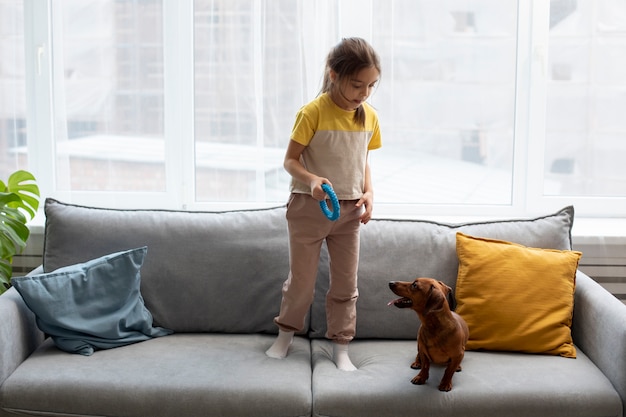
106	63
191	103
256	63
446	97
12	88
150	98
586	99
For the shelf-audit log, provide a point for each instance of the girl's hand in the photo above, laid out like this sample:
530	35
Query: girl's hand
367	200
316	188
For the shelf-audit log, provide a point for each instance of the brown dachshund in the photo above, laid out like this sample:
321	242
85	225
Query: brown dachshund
443	334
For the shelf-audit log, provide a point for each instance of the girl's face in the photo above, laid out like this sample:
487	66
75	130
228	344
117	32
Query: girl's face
351	92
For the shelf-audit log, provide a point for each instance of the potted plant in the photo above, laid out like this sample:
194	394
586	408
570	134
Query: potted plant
19	201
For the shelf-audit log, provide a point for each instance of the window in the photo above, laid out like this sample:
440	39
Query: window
586	98
446	102
109	95
12	88
247	80
487	107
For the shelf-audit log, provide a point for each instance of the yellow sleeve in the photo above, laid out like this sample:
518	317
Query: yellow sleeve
376	140
303	128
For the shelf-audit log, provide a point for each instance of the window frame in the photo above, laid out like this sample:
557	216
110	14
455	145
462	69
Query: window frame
45	123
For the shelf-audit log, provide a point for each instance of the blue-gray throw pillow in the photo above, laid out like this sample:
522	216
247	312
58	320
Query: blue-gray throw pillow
92	305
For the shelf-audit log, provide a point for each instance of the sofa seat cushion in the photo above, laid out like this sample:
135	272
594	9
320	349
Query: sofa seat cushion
178	375
491	384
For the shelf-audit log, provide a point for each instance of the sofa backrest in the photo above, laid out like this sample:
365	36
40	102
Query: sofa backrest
223	271
401	250
204	271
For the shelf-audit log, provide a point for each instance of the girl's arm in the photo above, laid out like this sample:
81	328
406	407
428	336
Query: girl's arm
367	198
295	168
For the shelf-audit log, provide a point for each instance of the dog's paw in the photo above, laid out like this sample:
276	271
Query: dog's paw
419	379
416	365
459	369
445	387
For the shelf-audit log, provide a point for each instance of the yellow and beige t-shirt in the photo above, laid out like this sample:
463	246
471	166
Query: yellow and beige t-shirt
336	146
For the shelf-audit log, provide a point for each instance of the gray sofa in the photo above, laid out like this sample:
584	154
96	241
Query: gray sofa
215	279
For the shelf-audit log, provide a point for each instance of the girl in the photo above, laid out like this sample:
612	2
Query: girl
330	141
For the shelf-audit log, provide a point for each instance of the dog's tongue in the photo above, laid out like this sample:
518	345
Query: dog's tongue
394	302
401	302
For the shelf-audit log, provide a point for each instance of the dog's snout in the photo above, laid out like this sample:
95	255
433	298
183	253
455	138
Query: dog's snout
392	284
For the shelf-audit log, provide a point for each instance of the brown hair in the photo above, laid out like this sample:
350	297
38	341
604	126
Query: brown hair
347	58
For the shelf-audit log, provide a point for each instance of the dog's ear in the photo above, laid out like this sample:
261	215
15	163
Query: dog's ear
449	295
451	301
435	300
447	290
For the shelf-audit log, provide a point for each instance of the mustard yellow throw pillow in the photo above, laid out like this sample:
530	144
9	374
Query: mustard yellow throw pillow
516	298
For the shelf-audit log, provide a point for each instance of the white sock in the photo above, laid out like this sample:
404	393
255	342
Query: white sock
341	358
281	345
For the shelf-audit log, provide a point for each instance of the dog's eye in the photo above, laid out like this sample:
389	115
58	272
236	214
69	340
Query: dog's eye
414	285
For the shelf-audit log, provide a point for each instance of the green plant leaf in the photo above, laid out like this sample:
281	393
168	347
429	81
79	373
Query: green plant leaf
13	232
16	227
5	274
19	201
6	198
13	236
23	184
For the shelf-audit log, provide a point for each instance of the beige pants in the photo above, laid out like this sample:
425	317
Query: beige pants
308	228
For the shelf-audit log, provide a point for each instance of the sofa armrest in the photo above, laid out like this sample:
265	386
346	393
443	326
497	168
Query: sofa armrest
19	335
599	329
36	271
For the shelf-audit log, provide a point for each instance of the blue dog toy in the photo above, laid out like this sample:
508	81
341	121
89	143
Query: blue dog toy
332	215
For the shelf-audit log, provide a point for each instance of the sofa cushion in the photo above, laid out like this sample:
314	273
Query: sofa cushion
516	298
401	250
491	384
204	271
179	375
96	304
